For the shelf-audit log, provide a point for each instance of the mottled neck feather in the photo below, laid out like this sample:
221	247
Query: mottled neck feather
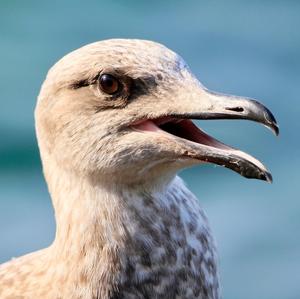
95	223
119	242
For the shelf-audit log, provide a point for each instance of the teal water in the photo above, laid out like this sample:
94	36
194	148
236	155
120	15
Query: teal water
241	47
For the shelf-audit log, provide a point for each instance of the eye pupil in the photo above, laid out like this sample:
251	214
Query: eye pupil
109	84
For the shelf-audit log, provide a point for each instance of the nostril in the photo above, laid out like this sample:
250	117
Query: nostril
236	109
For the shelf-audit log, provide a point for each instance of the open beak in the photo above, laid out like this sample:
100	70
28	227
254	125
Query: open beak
199	145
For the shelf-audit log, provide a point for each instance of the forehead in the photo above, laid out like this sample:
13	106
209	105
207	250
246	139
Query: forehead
136	57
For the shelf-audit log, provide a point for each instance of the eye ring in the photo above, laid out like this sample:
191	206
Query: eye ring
109	84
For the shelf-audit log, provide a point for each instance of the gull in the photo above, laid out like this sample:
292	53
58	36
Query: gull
114	126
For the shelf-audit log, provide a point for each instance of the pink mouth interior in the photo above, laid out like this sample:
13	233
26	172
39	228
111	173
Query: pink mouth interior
182	128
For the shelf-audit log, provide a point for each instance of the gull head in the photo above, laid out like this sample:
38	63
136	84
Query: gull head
122	110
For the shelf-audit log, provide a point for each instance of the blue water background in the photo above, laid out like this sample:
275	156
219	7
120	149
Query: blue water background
247	48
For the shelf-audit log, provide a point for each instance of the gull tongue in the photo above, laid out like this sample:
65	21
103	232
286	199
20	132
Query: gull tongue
147	125
197	135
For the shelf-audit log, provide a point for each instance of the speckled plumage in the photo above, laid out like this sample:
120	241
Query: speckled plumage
127	227
161	247
172	253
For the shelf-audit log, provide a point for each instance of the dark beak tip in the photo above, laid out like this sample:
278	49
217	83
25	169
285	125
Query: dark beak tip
271	121
267	176
262	175
275	128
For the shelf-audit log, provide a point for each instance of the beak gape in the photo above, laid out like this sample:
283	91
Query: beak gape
204	147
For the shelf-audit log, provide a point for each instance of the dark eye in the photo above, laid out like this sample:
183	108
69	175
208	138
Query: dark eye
109	84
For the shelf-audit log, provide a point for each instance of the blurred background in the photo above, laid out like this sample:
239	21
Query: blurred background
249	48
